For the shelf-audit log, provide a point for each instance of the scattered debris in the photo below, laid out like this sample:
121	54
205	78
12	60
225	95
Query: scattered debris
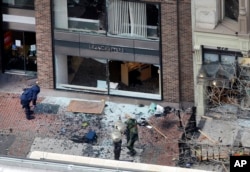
85	124
204	134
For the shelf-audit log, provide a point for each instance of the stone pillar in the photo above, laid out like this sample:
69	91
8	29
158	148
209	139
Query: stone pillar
199	87
206	14
242	18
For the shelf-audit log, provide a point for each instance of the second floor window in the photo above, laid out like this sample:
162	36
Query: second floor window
232	9
110	17
134	19
87	14
29	4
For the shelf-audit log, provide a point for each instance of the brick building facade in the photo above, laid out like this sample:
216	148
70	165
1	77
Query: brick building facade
175	48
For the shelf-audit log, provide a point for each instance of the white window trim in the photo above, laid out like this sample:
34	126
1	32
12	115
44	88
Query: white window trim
225	21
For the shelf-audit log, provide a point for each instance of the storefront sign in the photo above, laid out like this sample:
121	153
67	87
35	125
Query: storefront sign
106	48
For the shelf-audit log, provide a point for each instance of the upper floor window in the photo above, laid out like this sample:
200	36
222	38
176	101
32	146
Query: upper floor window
111	17
87	14
232	9
29	4
132	19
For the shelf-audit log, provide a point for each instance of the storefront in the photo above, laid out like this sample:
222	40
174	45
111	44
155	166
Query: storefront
112	47
222	75
221	56
114	52
18	55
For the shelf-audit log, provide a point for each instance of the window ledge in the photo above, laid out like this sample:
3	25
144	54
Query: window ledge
230	24
225	27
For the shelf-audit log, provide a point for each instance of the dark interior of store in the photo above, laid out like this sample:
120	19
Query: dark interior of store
89	71
18	54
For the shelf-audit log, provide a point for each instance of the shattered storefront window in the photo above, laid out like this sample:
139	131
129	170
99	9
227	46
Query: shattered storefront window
226	81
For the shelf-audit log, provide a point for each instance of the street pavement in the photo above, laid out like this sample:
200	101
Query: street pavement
53	126
52	130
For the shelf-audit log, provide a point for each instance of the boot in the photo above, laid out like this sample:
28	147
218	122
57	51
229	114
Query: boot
28	115
31	117
131	152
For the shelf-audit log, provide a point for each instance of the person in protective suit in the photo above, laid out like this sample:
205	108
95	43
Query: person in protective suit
117	142
116	135
131	134
28	95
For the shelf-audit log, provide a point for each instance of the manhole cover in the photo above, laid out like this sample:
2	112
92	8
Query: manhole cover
46	108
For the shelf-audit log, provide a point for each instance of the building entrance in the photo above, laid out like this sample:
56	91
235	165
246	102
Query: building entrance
19	53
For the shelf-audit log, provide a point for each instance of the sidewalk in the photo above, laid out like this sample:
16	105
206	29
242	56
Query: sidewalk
51	131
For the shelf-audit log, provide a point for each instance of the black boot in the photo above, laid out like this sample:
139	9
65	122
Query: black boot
132	152
31	117
28	115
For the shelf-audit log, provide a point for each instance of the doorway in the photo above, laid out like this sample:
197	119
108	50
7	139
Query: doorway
19	53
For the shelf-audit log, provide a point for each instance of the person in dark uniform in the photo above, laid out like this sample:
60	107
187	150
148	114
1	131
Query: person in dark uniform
132	135
35	91
28	95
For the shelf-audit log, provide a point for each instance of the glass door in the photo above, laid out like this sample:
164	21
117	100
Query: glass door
20	51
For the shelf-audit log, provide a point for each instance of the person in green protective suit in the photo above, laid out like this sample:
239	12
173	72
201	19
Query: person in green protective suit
131	134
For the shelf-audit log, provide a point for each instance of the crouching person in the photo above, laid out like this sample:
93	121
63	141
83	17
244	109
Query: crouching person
25	100
28	95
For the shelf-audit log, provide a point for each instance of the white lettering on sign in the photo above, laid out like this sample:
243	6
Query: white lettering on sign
240	163
105	48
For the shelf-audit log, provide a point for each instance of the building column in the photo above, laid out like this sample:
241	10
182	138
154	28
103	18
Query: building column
242	19
44	43
198	87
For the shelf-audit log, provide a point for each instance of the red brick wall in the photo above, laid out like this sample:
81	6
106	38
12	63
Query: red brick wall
44	43
170	61
177	62
186	56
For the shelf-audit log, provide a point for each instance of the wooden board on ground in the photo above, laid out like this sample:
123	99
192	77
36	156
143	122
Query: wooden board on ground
92	107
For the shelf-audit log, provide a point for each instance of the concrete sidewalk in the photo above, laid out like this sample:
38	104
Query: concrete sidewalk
51	131
53	126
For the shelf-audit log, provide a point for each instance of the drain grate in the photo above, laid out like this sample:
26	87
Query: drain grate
46	108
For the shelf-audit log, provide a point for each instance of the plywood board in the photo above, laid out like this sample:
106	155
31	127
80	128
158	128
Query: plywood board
92	107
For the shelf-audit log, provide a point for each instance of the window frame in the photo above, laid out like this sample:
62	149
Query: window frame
157	5
222	10
76	23
220	52
30	7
